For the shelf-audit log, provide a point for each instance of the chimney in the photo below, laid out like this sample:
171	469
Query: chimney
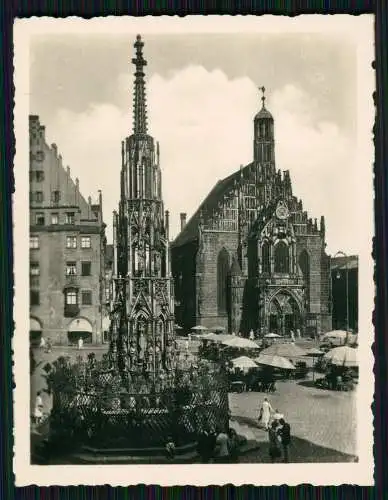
77	191
183	220
55	149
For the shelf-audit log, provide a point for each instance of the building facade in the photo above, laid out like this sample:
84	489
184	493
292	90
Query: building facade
344	279
142	316
67	249
251	257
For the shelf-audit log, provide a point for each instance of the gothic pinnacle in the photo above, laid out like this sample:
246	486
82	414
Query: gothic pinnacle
139	104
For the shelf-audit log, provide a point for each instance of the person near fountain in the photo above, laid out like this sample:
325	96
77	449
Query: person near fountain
206	444
274	443
170	448
284	432
221	452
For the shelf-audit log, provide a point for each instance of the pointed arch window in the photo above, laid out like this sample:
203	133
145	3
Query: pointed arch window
222	281
265	257
282	258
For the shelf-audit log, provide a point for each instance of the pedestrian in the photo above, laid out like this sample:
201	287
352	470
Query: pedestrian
292	336
80	343
42	344
206	444
186	345
234	334
170	448
265	413
277	416
251	335
48	345
298	333
221	448
274	443
233	446
284	432
38	411
189	337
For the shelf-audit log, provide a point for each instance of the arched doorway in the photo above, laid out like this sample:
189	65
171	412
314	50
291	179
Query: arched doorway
80	328
35	332
284	314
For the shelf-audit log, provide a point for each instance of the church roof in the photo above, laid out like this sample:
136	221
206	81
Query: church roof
263	113
190	231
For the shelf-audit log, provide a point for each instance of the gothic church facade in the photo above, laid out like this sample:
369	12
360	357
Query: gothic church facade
250	257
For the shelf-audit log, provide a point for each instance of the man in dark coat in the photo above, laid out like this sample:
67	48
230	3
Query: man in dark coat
285	436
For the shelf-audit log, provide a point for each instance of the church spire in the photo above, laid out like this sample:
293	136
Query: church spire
139	98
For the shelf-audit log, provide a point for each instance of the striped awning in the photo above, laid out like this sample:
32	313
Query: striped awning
35	326
80	325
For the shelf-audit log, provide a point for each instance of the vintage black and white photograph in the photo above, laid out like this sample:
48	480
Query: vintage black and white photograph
198	283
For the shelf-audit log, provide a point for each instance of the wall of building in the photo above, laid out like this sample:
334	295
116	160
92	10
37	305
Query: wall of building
57	212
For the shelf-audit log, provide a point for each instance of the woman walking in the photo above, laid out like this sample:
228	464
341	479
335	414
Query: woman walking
265	413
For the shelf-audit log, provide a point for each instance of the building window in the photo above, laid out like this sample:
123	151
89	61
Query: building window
34	298
71	298
34	241
282	260
71	268
222	277
39	175
39	156
86	268
86	298
39	218
55	196
265	258
71	241
54	219
34	274
85	242
70	218
34	269
38	197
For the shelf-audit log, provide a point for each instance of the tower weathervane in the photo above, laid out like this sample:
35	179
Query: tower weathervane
263	96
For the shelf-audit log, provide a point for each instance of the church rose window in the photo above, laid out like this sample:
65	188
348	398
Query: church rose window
282	261
222	276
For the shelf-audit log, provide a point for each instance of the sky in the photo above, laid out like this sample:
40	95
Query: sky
202	94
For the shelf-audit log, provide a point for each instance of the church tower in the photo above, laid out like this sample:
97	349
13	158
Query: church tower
144	332
264	141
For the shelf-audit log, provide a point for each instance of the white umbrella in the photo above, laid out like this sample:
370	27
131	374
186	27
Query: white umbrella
240	343
244	362
199	328
217	328
337	334
272	336
287	350
342	356
274	361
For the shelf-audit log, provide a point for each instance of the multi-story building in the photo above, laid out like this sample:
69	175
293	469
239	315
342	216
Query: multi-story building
67	249
344	279
250	257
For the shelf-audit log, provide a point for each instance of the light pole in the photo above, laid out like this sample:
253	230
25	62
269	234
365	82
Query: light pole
343	254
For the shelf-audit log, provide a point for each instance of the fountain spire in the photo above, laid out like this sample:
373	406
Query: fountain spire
139	98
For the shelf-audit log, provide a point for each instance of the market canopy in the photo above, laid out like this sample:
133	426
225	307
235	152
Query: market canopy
35	326
199	328
342	356
244	362
314	352
337	334
217	328
240	342
274	361
272	336
287	349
